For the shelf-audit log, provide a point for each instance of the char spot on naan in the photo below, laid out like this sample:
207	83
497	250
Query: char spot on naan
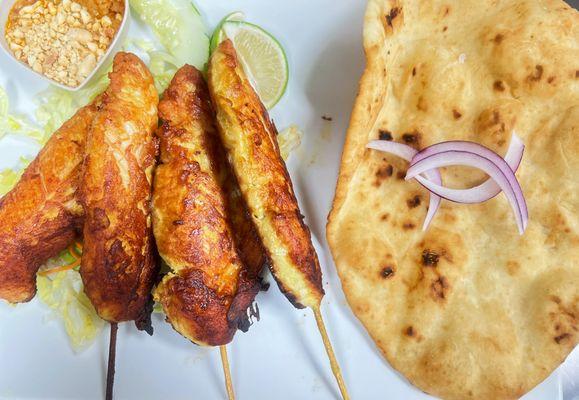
564	320
440	288
494	125
430	258
384	134
384	172
387	272
536	75
413	138
393	19
414	201
446	11
499	86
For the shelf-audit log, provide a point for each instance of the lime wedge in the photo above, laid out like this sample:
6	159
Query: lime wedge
262	57
218	36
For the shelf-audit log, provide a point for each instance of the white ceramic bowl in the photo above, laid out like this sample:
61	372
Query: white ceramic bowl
114	47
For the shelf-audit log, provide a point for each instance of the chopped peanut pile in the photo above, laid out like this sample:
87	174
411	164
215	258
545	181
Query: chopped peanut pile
61	39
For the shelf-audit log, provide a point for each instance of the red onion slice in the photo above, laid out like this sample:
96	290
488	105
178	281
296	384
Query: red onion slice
515	147
398	149
488	189
494	166
406	152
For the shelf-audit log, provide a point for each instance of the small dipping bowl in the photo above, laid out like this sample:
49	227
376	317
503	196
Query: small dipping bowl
114	46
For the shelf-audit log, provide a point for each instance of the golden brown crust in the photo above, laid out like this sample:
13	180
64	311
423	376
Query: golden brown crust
249	248
40	216
117	265
190	211
250	139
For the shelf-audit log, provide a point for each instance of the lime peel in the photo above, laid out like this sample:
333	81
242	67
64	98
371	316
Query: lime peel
217	36
263	59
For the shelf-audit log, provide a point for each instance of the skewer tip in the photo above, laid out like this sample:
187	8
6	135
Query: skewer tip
330	351
111	363
227	372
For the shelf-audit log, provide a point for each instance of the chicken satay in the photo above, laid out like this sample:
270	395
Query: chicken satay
206	295
118	267
250	139
41	215
249	248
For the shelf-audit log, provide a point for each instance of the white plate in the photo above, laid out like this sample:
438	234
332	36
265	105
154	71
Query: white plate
281	356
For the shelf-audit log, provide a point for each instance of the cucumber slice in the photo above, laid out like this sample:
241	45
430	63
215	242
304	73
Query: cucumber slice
178	26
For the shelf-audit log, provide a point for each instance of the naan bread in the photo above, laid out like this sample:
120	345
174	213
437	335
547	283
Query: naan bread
468	309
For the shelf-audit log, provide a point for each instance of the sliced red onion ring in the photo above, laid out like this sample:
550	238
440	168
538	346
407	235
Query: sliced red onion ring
473	155
515	147
488	189
406	152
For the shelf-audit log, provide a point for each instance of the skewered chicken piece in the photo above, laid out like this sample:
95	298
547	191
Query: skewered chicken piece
250	139
206	295
41	215
118	267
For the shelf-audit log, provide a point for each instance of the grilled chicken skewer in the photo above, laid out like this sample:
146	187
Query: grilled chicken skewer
197	214
41	216
250	139
118	267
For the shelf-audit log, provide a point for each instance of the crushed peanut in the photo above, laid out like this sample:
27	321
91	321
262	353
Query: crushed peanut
62	39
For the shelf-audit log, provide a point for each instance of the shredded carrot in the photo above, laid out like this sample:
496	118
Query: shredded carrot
75	249
67	267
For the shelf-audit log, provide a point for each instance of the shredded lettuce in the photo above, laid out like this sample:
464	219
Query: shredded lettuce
162	65
63	293
56	105
10	176
16	124
289	139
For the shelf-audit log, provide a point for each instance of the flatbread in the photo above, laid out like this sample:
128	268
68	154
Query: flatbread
468	309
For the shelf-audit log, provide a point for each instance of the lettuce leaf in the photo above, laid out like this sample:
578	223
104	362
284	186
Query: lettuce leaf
289	139
16	124
10	176
63	293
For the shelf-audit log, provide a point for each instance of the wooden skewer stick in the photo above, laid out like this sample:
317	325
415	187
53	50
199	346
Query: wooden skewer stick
111	364
227	373
328	345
